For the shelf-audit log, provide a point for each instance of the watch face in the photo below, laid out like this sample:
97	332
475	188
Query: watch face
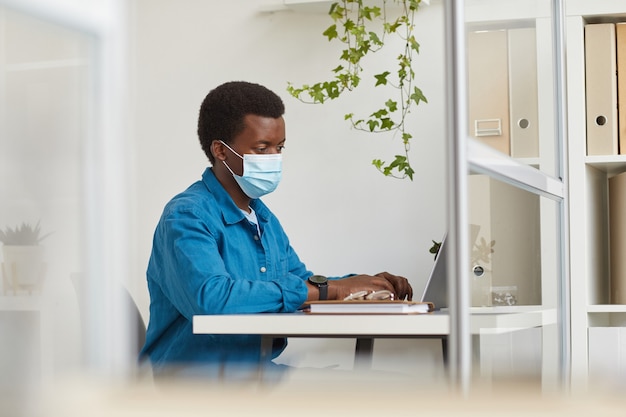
318	279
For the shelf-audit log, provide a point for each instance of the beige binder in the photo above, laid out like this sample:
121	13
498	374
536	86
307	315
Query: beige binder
488	88
523	100
601	89
620	32
617	232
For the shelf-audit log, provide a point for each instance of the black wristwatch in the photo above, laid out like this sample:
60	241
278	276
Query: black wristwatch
321	282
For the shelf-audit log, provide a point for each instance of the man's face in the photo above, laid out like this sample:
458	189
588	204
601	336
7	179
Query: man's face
261	135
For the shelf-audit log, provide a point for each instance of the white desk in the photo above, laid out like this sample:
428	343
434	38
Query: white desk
366	328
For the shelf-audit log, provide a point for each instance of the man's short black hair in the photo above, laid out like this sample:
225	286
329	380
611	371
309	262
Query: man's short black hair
224	108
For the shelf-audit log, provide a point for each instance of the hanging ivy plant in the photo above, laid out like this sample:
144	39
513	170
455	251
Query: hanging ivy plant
363	30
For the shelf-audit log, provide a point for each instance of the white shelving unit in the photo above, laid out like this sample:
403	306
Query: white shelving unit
588	177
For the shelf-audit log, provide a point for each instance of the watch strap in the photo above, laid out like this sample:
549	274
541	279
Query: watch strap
323	288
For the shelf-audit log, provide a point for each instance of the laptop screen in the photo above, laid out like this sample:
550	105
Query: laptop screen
436	290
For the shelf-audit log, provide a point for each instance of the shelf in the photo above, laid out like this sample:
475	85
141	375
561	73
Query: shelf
20	303
43	65
611	164
606	308
606	315
601	10
483	159
533	162
311	6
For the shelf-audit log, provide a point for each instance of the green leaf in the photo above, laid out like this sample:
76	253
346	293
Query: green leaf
391	105
381	79
349	25
379	113
400	163
317	93
434	249
370	12
333	89
375	39
336	12
413	44
418	96
386	123
392	27
331	32
409	171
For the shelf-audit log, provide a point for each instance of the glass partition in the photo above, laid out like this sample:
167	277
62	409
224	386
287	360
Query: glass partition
510	73
514	269
45	106
516	201
60	176
505	244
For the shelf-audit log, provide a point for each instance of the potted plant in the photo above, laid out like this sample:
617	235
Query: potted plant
23	266
364	29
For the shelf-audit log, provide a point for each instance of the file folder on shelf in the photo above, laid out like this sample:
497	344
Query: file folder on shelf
489	88
617	238
601	89
620	35
522	50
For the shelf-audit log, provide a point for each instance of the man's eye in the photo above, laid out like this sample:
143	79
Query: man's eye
280	148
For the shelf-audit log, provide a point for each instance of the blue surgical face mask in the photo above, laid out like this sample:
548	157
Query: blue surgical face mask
261	173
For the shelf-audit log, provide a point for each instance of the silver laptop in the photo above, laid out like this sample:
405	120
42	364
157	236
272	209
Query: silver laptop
436	290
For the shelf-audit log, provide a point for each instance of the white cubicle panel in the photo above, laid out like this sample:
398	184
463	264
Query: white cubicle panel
62	170
520	204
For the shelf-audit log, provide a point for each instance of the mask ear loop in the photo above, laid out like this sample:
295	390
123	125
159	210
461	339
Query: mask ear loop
224	162
228	168
231	149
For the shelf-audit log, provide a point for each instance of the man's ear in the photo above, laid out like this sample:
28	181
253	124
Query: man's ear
218	150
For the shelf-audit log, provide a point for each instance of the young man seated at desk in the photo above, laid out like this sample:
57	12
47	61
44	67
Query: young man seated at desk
218	249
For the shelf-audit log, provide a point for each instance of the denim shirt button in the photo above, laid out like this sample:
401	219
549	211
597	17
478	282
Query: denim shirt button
263	269
256	237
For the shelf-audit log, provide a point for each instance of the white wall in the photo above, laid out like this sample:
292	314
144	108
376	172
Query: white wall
341	214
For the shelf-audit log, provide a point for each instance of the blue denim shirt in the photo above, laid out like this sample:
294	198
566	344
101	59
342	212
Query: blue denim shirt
207	258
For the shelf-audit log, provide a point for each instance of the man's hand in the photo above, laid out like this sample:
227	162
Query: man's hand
402	288
397	285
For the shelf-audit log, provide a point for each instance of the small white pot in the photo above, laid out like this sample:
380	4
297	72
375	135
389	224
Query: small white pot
23	268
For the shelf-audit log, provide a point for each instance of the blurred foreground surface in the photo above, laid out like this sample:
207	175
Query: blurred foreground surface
318	393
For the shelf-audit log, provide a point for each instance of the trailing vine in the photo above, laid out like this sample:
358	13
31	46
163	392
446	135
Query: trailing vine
359	28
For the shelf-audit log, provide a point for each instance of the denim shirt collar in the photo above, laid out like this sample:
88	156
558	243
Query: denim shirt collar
230	212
